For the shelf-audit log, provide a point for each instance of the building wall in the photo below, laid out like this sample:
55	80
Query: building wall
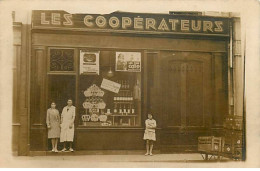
20	122
238	67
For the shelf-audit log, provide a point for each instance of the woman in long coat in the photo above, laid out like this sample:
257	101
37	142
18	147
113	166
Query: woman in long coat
67	125
53	124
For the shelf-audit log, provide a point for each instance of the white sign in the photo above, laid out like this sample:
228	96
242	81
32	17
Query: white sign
128	61
110	85
89	62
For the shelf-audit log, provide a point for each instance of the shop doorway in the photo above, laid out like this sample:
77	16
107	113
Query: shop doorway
186	81
60	89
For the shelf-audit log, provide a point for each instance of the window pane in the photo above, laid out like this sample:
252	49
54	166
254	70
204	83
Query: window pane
61	59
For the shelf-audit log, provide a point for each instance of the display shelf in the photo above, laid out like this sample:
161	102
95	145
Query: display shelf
121	122
122	115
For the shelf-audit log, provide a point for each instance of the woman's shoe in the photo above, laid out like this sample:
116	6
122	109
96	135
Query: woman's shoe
56	151
52	150
146	154
151	154
63	150
71	149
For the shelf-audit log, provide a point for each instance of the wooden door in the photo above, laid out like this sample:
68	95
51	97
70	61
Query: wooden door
186	81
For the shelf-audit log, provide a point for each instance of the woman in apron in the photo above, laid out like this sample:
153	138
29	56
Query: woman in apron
67	125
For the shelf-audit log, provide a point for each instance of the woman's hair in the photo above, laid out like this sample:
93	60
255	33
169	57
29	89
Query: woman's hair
150	114
53	102
70	99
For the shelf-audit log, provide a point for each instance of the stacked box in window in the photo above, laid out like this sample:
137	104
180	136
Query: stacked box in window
209	144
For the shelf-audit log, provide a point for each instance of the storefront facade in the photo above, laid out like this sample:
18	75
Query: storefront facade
176	67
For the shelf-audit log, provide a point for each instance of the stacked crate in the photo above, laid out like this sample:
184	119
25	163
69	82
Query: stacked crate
232	138
210	145
229	145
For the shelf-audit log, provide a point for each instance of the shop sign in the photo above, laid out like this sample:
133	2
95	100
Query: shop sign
89	62
128	61
110	85
123	22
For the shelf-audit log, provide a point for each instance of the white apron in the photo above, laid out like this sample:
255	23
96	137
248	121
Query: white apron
67	134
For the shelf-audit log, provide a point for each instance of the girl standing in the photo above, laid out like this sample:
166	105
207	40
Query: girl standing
149	134
53	124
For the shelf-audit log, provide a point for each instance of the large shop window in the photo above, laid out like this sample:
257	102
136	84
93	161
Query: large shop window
110	96
104	84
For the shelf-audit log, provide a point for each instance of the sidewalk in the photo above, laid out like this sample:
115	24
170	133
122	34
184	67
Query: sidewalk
130	160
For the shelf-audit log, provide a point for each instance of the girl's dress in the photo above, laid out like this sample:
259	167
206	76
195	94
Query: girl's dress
53	120
67	134
149	133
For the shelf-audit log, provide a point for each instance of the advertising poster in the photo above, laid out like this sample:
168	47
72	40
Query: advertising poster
128	61
89	62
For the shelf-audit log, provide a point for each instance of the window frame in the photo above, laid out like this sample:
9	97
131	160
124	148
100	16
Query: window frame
62	72
78	119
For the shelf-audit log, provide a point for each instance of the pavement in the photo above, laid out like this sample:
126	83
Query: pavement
108	161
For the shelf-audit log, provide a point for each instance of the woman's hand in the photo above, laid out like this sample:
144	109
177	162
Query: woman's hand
48	126
70	126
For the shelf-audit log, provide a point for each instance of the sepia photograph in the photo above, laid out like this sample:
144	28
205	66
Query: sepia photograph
125	86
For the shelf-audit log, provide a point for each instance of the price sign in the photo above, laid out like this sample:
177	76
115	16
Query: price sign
110	85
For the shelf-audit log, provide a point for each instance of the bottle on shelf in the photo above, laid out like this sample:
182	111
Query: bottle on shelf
120	109
132	109
128	109
126	96
122	84
115	98
123	96
118	96
131	96
124	111
115	108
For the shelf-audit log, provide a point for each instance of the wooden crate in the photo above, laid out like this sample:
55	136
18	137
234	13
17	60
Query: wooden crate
210	144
